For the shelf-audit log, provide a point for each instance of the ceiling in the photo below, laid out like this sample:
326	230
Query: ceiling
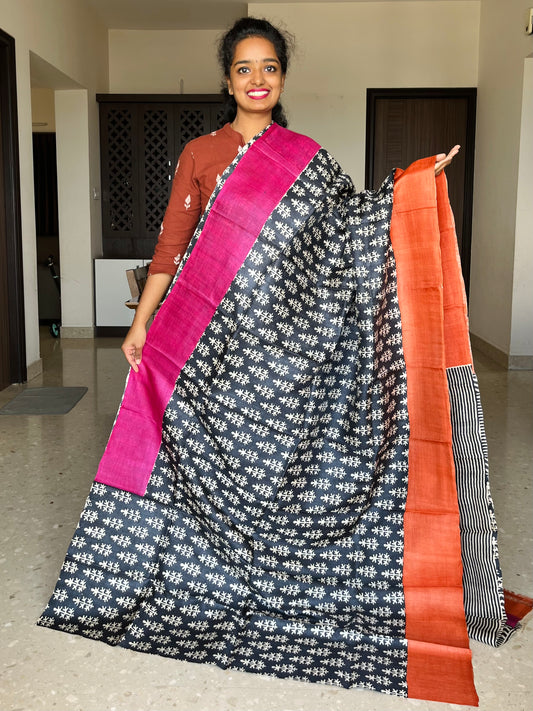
176	14
167	14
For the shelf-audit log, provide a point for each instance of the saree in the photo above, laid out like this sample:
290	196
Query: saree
296	483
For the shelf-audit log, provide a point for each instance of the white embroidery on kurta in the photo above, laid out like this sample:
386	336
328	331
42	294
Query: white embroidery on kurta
177	259
187	202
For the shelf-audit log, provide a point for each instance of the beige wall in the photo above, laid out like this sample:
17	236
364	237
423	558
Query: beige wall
500	299
344	48
43	111
154	61
68	39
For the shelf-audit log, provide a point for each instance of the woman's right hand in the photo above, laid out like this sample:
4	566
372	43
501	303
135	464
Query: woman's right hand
154	290
133	345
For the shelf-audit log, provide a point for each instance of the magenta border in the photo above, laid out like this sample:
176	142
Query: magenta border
263	175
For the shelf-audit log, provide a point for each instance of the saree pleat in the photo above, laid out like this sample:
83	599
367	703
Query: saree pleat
279	491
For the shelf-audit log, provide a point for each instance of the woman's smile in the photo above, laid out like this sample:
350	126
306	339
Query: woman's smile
258	94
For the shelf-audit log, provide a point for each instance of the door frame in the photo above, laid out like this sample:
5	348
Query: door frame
468	93
13	269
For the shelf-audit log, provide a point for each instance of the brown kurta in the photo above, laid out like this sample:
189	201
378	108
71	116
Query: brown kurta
202	161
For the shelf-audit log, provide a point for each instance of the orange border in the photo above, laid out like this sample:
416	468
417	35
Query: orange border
439	664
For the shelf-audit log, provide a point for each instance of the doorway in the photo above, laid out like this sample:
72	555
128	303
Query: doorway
406	124
46	224
12	341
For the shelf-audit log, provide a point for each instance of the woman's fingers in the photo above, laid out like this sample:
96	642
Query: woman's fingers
133	355
132	347
442	159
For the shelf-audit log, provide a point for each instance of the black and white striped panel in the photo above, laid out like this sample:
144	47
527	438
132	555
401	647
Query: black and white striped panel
482	579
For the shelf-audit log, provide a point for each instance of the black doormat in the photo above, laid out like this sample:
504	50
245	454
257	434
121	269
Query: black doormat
43	401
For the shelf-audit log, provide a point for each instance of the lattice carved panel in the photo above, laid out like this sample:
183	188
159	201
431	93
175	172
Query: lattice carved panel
141	140
192	124
219	119
120	167
157	167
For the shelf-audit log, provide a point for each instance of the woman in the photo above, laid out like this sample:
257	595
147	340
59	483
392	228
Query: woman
254	57
279	493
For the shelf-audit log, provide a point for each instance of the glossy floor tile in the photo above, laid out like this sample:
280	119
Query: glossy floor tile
47	464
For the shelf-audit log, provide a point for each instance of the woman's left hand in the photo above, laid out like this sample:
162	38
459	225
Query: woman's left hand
442	160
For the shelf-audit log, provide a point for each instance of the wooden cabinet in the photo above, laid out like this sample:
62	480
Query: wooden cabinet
141	137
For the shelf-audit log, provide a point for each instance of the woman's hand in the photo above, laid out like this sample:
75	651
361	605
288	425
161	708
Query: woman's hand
442	160
155	288
133	345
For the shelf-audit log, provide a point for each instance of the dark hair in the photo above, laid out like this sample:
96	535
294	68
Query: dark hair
243	29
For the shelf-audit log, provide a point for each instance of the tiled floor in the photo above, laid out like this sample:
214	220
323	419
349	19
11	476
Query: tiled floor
47	464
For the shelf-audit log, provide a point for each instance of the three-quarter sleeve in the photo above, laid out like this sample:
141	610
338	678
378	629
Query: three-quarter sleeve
202	161
181	217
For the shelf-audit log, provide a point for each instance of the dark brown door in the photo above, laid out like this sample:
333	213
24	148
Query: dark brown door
406	124
5	368
12	341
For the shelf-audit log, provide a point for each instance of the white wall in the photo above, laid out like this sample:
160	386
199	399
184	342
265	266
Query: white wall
154	61
67	36
74	205
503	49
522	305
344	48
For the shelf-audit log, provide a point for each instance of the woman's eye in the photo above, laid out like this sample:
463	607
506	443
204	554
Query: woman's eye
242	70
271	68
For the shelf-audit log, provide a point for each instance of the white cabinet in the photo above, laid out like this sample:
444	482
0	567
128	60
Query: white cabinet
111	291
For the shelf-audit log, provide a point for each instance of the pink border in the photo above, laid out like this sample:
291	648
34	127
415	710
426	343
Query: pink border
250	194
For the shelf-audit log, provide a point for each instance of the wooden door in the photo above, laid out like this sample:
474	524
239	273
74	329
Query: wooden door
406	124
12	338
5	367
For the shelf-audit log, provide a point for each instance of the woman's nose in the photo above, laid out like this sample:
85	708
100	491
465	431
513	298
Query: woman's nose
257	76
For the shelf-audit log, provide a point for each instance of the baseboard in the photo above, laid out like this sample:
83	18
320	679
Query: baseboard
34	369
521	362
510	362
77	331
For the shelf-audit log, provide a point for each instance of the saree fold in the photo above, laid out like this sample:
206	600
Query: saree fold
296	483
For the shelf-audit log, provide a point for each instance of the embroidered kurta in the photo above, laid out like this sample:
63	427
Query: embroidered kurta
201	163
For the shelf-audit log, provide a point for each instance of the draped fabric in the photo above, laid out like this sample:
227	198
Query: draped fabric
279	492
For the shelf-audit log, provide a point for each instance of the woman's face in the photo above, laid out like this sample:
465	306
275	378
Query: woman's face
256	80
